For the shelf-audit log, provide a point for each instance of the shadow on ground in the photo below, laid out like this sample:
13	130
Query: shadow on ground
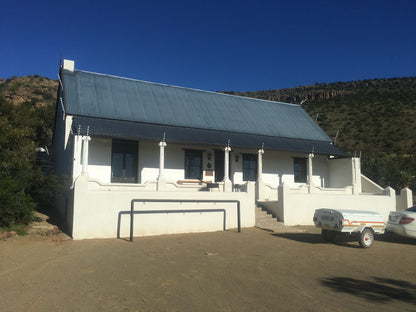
345	239
309	238
376	289
390	237
314	238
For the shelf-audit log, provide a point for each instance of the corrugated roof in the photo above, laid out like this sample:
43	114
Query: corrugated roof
114	98
143	131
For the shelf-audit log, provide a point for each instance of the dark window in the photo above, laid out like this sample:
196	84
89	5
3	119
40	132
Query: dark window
249	167
299	169
124	161
193	164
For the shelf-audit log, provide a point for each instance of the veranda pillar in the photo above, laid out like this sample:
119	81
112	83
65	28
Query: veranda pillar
161	179
227	181
85	143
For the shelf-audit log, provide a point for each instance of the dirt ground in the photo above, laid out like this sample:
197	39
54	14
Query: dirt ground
254	270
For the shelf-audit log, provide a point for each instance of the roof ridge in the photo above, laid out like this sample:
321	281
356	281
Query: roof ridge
187	88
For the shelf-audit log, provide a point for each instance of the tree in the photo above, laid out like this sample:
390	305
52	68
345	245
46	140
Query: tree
23	185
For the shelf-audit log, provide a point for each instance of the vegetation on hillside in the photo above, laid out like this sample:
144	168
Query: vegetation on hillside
373	118
26	123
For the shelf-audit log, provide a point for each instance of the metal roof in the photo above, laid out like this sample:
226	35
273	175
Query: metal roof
134	130
114	98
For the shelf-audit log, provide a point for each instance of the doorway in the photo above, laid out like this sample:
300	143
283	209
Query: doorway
219	166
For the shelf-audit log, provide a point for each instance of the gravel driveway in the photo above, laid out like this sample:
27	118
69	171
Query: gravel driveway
254	270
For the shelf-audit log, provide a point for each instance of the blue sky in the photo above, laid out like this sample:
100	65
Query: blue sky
212	45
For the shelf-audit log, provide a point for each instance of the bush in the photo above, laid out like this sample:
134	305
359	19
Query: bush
23	186
18	228
16	206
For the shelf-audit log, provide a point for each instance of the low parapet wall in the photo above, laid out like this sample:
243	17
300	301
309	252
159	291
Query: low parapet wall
297	206
97	208
369	186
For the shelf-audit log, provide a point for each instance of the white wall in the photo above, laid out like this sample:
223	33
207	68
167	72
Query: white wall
297	206
149	161
340	172
369	186
97	207
174	161
320	171
404	200
99	159
237	166
277	166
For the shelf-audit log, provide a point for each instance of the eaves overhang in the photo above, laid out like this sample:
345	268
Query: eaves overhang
99	127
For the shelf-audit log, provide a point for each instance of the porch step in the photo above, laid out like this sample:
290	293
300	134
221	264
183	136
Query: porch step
266	221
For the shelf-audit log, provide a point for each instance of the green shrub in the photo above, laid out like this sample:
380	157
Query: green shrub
18	228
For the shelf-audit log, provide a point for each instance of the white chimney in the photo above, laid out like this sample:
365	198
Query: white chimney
69	65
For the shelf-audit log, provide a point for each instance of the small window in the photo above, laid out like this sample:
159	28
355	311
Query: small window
124	161
193	164
249	167
299	169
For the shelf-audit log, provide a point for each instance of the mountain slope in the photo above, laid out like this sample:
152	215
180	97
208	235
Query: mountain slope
374	118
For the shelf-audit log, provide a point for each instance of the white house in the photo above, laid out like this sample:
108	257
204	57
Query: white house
194	160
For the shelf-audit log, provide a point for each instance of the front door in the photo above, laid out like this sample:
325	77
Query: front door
124	161
219	165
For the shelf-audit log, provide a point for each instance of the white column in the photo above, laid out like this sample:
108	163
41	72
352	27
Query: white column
227	151
85	143
259	184
76	167
405	199
228	186
310	170
162	145
161	180
356	175
260	165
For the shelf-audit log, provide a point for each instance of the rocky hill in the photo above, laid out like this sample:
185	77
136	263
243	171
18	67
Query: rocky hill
36	89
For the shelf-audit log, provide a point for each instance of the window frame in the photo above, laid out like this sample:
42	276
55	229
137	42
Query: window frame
253	159
300	175
190	155
125	147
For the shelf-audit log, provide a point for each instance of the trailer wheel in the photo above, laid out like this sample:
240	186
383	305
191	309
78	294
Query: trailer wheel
366	238
329	235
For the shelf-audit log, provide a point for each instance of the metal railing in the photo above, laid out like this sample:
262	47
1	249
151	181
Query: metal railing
132	212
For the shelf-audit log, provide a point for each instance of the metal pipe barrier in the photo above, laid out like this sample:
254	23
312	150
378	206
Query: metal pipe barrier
132	212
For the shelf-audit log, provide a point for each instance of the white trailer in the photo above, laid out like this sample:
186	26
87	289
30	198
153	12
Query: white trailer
363	224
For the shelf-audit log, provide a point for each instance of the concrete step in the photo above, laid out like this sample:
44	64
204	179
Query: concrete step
41	226
266	221
263	214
